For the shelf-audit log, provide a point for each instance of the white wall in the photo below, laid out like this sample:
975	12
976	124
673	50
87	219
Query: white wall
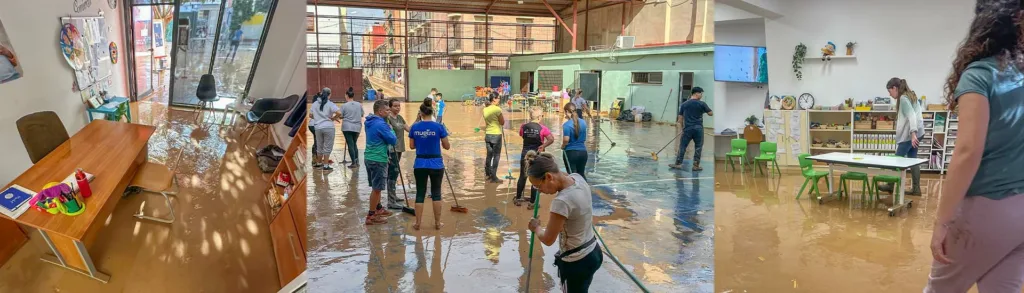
911	39
33	29
736	101
282	68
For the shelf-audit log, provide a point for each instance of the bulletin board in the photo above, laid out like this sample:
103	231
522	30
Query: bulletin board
97	68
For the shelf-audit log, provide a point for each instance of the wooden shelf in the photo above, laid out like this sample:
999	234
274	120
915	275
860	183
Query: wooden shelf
874	130
830	130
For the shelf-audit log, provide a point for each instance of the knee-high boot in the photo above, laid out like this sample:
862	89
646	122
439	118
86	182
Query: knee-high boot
915	179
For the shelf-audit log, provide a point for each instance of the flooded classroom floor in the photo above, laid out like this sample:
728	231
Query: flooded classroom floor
769	241
219	241
658	222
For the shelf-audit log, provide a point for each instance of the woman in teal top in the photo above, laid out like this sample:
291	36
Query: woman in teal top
979	230
574	138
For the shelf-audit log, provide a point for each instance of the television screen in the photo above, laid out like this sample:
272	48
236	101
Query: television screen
741	64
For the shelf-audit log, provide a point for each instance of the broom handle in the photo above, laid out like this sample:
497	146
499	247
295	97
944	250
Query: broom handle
450	185
670	142
529	268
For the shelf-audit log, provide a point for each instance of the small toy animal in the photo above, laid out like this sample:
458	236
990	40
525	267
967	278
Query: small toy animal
829	49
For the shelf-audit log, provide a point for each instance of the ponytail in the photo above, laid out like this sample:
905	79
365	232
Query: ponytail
570	109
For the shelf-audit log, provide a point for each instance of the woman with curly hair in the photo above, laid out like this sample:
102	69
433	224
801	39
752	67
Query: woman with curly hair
979	230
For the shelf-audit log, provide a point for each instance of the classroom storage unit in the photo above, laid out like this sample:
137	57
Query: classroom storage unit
788	129
286	210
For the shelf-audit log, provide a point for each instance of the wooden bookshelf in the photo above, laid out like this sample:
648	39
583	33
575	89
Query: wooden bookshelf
286	210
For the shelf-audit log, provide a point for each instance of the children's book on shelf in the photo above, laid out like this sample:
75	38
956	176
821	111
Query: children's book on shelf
14	201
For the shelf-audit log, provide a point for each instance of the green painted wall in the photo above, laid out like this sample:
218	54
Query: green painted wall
452	83
616	74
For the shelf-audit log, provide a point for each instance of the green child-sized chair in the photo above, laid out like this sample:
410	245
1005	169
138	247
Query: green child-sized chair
739	150
895	181
807	170
768	152
844	188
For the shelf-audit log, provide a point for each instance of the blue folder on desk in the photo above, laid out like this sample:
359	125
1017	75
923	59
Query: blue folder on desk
14	200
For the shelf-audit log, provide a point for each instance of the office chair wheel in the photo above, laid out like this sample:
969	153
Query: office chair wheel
131	190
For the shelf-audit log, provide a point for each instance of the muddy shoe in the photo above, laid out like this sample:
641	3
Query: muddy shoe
913	192
375	220
675	166
384	212
394	207
518	202
531	206
697	168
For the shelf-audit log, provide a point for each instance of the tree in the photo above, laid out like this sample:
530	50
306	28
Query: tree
242	11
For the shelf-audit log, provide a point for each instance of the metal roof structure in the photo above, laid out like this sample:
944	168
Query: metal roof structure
537	8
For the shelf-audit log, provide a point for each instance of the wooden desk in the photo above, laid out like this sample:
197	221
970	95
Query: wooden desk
112	151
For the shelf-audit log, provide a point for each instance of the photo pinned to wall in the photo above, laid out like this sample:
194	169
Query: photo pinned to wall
10	68
72	46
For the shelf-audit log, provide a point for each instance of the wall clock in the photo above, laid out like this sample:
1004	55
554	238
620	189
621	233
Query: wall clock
806	101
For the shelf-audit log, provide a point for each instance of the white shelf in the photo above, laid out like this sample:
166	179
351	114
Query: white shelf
829	149
830	130
874	150
874	130
819	57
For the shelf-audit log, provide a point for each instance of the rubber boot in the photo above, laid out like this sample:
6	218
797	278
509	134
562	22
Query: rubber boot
393	195
915	177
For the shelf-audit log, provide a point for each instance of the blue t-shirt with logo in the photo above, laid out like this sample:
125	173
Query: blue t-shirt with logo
427	135
576	141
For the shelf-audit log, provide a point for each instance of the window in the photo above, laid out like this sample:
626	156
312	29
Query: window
524	38
549	79
481	42
647	77
455	33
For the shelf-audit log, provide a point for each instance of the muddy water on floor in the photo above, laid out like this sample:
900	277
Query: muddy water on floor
769	241
658	222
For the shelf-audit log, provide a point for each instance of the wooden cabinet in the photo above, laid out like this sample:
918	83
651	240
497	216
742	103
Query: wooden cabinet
287	220
288	250
788	129
11	239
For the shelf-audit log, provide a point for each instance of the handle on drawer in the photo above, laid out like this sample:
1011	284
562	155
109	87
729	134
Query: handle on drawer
291	241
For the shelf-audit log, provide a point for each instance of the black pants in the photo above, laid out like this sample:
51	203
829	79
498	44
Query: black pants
493	142
350	141
577	162
697	136
393	161
576	276
422	175
522	178
315	145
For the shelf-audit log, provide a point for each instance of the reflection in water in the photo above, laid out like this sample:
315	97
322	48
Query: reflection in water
782	244
633	198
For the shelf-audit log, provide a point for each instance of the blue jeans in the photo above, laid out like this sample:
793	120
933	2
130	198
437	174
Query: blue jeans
697	136
906	149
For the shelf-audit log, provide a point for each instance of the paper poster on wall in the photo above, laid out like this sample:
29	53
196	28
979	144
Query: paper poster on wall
158	36
10	68
775	128
794	134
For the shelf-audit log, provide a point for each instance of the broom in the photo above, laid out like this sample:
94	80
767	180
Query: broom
455	208
504	143
654	155
529	267
406	209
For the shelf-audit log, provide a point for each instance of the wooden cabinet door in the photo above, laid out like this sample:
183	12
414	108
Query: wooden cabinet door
287	250
297	205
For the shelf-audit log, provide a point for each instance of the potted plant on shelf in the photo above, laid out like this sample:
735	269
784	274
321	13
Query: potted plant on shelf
849	48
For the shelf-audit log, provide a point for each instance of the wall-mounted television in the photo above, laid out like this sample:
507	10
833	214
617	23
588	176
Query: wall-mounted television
741	64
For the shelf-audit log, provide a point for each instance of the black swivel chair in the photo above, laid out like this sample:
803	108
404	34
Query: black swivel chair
41	133
206	91
267	112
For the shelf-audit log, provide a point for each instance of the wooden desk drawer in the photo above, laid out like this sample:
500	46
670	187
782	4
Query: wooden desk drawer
290	256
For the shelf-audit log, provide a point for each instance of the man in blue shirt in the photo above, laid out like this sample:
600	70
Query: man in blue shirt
236	39
691	114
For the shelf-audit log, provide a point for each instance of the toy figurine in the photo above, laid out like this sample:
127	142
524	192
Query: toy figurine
829	49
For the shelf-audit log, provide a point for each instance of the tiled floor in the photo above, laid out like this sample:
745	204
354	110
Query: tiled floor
658	222
220	241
